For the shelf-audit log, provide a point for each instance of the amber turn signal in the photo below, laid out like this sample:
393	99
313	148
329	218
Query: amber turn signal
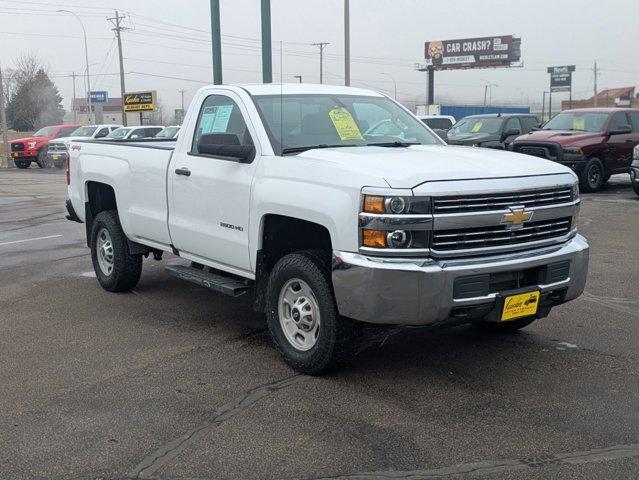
373	204
374	238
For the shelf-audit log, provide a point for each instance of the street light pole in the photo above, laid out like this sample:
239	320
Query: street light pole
86	59
394	82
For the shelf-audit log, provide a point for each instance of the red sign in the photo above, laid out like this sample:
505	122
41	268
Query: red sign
480	52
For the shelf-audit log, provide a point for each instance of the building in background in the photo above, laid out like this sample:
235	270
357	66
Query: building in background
612	97
107	112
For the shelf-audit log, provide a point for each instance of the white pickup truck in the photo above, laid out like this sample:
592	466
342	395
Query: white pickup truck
334	206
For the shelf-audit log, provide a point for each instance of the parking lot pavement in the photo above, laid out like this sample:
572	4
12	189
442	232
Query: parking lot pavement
172	381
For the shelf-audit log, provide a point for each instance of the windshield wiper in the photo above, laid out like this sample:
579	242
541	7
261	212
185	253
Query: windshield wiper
311	147
394	144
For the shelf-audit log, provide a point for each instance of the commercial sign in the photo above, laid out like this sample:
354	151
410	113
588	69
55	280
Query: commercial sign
498	51
140	101
561	78
99	97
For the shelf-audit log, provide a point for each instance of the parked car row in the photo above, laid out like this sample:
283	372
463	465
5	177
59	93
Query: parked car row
595	143
49	145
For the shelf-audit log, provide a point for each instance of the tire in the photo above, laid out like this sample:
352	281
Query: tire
332	339
22	163
41	159
109	247
504	327
592	176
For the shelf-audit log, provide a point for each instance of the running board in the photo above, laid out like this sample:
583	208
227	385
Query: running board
232	286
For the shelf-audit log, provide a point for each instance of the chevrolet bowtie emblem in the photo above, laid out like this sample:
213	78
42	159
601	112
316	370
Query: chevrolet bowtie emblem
516	218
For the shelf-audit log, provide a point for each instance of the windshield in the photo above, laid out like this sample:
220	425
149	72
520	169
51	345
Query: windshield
581	121
301	122
168	132
84	132
118	133
45	132
477	125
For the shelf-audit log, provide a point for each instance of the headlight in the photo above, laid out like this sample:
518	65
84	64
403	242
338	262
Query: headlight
573	151
395	205
395	222
575	191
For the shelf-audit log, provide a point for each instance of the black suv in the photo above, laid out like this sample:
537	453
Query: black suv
491	131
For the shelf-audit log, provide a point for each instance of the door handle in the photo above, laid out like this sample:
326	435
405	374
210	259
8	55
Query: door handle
183	171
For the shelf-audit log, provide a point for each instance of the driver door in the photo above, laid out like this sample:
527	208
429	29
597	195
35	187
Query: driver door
209	196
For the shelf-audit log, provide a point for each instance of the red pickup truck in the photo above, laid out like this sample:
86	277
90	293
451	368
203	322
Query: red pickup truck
595	142
34	148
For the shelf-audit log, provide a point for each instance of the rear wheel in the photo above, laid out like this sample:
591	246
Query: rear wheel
115	268
302	315
22	163
592	176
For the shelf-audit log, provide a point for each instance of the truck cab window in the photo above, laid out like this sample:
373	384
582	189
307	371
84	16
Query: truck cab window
513	123
618	120
221	115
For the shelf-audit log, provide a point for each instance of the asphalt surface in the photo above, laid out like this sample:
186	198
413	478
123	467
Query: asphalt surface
173	381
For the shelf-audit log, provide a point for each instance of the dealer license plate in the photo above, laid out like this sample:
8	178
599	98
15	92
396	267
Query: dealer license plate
14	154
55	157
520	305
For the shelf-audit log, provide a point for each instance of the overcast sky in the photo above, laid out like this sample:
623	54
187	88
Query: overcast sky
171	39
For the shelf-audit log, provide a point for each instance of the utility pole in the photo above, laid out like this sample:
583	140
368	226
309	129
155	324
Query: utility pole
3	124
321	46
118	28
86	58
267	60
75	108
596	73
347	44
216	42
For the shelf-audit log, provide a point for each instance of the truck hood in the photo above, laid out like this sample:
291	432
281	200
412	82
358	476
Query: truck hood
412	166
470	138
562	137
38	140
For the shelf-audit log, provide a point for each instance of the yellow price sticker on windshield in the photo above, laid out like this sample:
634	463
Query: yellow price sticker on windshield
344	124
477	127
578	123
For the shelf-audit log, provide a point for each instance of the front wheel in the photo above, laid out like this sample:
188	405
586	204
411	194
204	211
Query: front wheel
116	269
41	159
22	163
592	176
302	315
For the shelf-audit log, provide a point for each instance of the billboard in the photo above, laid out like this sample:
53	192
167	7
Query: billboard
482	52
99	97
140	101
561	78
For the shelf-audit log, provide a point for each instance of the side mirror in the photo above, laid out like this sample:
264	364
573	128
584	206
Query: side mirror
511	132
621	130
239	153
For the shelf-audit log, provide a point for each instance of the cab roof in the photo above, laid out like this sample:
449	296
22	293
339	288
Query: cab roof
303	89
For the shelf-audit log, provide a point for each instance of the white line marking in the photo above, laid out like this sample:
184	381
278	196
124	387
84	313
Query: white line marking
29	240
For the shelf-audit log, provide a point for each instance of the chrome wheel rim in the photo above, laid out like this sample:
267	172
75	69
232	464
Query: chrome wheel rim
299	314
593	175
105	251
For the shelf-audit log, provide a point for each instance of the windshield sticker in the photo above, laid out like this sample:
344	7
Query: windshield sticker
215	119
579	123
345	124
477	127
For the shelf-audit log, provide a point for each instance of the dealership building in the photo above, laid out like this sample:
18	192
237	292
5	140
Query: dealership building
612	97
107	112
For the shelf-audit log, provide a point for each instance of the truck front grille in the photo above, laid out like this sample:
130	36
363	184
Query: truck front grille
500	236
551	151
501	201
57	147
17	147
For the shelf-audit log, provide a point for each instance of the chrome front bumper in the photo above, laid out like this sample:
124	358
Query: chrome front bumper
403	291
